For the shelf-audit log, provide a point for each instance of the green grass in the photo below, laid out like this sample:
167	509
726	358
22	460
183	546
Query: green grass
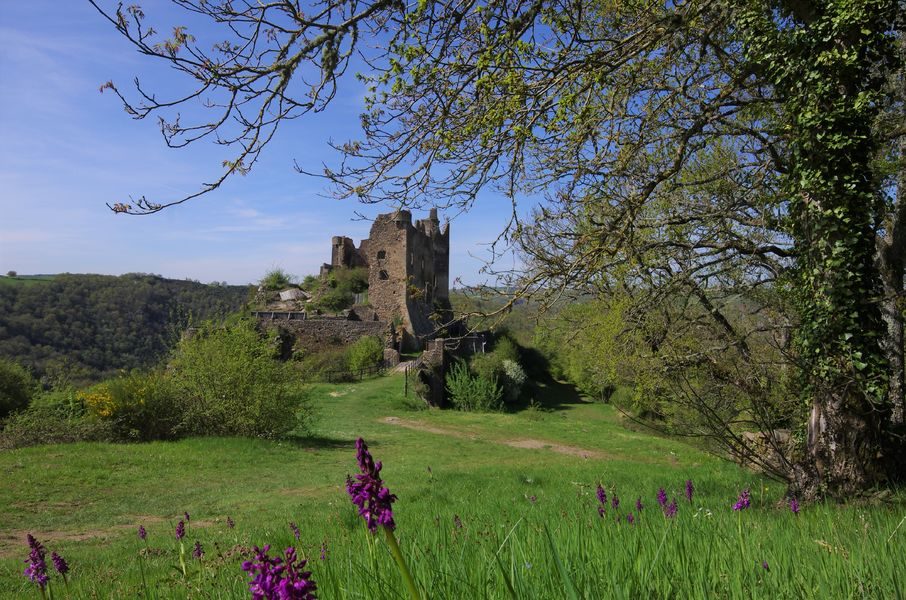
26	279
86	501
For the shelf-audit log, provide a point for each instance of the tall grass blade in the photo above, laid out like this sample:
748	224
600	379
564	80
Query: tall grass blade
571	592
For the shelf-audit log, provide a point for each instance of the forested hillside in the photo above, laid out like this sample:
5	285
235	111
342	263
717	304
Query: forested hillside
86	326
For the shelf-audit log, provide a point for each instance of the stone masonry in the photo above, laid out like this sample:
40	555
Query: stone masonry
408	272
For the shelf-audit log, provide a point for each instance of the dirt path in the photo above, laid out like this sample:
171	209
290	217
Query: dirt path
525	443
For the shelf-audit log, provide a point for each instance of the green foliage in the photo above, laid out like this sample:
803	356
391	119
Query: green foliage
514	378
92	326
276	279
335	300
17	387
310	283
365	352
589	346
146	406
229	383
353	280
492	366
472	393
54	424
340	287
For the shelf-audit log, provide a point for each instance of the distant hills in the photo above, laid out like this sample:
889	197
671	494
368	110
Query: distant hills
84	327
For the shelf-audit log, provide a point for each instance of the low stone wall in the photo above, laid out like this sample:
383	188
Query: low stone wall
318	333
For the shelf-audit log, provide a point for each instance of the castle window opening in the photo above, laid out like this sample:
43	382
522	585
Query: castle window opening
384	275
381	254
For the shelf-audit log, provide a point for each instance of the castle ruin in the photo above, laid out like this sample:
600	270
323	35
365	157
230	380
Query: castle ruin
408	272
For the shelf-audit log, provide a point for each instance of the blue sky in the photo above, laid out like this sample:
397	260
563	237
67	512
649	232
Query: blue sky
67	150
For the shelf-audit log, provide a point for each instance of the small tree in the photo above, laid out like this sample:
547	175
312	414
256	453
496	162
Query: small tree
365	352
16	387
11	274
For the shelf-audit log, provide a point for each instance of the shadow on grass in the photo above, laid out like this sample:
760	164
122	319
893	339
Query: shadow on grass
550	394
316	442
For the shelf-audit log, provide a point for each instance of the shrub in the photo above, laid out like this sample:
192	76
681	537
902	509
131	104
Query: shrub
315	364
140	406
17	387
472	393
230	384
276	279
335	300
365	352
48	424
514	378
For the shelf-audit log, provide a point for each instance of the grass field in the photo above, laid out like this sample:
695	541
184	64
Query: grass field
477	495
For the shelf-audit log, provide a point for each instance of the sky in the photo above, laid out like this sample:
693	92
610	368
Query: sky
66	150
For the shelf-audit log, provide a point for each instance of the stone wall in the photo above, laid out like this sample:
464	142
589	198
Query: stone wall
319	333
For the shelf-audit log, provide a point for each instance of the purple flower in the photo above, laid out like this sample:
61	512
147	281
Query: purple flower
602	495
670	509
742	502
60	564
186	515
662	497
295	529
689	490
36	570
615	502
794	506
198	551
638	504
368	491
180	530
230	523
764	565
35	545
457	522
279	578
323	550
142	534
630	519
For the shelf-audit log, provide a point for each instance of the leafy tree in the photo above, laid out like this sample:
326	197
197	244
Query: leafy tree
17	387
365	352
689	153
231	384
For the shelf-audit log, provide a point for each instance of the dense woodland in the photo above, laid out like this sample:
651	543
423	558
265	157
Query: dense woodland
84	327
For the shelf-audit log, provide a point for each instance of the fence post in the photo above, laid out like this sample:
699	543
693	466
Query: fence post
406	385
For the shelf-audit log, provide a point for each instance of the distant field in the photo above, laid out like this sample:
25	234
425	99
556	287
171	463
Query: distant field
25	279
476	492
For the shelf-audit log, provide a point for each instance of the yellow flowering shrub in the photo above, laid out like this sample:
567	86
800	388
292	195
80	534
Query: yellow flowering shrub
98	401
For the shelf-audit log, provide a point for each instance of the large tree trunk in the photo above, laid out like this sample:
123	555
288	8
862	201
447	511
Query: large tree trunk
834	210
892	268
844	449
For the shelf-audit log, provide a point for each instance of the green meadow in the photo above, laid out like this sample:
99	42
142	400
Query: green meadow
498	505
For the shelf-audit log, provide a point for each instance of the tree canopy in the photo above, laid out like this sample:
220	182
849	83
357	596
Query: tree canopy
686	153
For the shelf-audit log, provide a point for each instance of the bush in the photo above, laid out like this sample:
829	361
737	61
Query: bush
230	384
276	279
365	352
514	378
472	393
315	364
336	300
17	387
49	424
139	406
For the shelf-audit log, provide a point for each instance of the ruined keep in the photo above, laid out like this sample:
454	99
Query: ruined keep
408	272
